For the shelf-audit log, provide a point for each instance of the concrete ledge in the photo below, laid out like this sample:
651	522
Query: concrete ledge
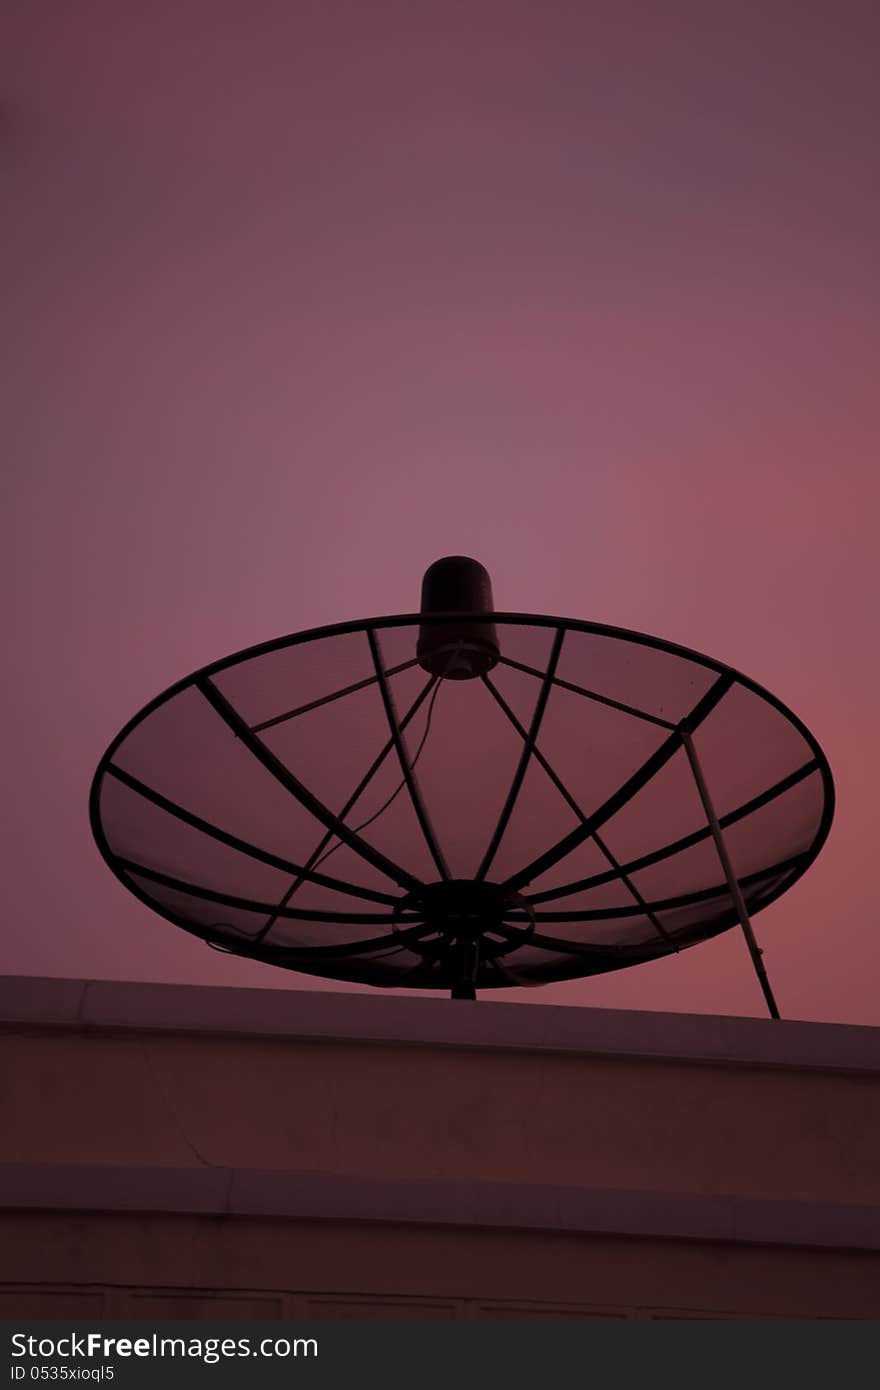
33	1001
516	1206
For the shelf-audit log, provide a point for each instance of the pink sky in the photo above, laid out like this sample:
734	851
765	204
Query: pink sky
306	295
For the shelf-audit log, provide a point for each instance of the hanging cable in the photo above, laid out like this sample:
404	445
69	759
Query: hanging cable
398	789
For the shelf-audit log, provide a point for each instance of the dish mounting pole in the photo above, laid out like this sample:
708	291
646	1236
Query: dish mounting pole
465	959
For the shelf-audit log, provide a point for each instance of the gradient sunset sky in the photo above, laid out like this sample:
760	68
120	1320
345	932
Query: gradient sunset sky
302	296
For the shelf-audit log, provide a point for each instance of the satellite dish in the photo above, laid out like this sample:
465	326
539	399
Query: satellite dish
462	799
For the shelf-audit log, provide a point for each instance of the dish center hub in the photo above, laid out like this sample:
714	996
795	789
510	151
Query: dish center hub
464	907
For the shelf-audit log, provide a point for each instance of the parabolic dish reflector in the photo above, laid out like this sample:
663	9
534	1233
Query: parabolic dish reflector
336	802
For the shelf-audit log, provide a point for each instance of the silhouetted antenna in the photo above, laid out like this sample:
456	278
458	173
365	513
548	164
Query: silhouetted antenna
462	799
